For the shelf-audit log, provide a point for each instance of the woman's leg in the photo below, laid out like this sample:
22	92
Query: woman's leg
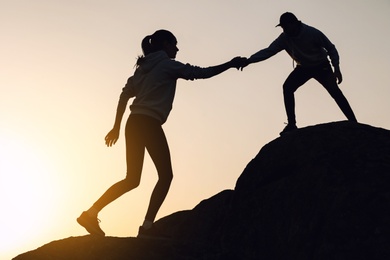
135	150
158	150
141	132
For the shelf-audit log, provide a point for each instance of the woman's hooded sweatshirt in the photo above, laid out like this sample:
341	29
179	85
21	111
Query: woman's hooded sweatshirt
154	84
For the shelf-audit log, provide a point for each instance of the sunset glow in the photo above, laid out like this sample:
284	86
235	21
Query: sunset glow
63	65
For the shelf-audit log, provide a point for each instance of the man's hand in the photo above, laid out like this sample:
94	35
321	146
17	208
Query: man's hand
338	76
244	63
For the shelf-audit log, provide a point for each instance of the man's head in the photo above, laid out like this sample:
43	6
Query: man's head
290	24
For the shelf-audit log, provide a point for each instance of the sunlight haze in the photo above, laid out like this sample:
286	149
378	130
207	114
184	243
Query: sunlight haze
63	65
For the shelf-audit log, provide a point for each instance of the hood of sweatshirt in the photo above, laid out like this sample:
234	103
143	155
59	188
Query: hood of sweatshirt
154	91
142	80
151	60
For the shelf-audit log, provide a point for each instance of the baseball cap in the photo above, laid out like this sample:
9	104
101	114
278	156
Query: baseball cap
287	18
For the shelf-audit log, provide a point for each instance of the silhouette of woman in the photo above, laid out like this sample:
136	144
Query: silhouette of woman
153	86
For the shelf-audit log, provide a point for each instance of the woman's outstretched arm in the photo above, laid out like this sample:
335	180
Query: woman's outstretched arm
190	72
236	62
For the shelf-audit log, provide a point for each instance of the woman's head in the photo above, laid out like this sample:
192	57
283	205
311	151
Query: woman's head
160	40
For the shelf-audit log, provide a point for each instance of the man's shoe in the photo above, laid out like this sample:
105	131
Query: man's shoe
289	128
151	233
91	224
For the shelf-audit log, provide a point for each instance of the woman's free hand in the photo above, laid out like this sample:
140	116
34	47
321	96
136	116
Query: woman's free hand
112	137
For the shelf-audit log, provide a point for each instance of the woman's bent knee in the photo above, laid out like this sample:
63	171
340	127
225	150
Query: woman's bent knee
131	183
166	178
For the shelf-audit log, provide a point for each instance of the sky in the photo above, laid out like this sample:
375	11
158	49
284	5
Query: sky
63	65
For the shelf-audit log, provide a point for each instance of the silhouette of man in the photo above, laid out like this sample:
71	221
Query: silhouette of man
310	49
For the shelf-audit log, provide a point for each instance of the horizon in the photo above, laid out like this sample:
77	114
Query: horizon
64	65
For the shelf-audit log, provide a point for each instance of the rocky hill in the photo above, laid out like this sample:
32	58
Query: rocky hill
321	192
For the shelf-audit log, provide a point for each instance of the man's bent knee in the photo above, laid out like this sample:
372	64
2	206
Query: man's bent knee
289	89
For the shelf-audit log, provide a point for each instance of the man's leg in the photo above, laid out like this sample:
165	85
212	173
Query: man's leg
297	78
328	80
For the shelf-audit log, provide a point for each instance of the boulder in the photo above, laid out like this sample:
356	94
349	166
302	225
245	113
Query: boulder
320	192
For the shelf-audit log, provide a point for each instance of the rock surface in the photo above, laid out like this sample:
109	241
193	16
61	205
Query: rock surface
321	192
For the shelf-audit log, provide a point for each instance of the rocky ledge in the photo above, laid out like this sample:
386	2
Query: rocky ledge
321	192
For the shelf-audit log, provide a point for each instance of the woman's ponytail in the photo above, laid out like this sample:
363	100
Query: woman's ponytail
146	49
146	45
154	42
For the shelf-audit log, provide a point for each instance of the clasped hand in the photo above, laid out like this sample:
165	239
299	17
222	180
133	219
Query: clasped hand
239	62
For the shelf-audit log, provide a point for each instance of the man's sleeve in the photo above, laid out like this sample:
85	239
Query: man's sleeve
275	47
331	49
